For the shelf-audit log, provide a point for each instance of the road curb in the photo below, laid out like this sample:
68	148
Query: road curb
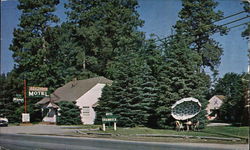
164	135
185	136
92	133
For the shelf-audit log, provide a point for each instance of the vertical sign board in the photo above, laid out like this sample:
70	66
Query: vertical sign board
38	91
25	117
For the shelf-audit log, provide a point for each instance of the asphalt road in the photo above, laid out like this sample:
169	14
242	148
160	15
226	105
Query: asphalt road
37	142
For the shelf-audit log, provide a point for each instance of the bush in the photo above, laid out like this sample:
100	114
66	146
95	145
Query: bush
69	114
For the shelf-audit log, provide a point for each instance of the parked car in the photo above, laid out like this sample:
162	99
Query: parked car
4	122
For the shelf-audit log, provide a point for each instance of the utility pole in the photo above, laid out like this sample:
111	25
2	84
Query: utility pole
248	54
247	92
248	80
247	102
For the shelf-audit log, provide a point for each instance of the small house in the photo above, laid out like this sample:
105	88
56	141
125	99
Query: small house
213	107
85	94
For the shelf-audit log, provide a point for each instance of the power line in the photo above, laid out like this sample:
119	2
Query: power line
238	25
229	16
160	39
235	20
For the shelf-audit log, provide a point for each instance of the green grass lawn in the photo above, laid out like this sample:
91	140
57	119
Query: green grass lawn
218	131
229	131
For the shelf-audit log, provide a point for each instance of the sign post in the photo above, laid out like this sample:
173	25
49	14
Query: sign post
32	92
25	115
109	118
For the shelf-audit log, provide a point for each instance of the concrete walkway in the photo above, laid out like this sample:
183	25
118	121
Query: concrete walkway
218	124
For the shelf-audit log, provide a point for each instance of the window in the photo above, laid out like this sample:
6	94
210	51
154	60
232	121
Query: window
85	110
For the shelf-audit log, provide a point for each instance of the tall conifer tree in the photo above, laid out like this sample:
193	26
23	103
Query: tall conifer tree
9	88
104	29
197	25
31	40
179	79
132	95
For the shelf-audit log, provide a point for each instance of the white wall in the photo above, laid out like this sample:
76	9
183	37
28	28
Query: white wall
51	118
88	99
214	103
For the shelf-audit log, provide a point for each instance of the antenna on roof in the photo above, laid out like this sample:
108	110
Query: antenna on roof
74	82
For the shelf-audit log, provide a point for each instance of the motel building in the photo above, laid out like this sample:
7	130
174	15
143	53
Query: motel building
85	94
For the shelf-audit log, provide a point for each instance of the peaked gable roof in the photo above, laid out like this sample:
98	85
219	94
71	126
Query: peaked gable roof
221	97
72	90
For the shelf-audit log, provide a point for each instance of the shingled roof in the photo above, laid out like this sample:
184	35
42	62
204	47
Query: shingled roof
73	90
221	97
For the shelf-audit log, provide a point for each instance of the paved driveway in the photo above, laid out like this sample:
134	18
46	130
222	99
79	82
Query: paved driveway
35	129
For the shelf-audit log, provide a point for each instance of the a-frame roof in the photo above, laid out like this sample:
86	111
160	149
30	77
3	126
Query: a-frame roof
73	90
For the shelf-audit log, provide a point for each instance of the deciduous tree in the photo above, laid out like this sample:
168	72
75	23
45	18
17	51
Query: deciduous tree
231	86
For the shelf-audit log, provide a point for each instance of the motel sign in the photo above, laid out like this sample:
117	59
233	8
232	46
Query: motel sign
38	91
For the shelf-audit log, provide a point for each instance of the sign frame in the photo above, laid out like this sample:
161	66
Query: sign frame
38	92
25	117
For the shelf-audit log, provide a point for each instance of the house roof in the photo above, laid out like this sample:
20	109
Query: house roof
52	105
221	97
72	90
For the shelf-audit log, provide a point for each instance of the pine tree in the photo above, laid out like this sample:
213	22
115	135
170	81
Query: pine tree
179	79
69	114
67	60
10	86
104	29
119	99
145	97
132	95
31	40
197	25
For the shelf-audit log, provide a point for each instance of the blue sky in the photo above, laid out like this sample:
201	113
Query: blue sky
159	16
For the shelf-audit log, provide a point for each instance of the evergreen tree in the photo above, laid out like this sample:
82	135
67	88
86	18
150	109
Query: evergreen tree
153	55
145	97
132	95
67	58
104	29
10	86
31	41
197	25
69	114
179	79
